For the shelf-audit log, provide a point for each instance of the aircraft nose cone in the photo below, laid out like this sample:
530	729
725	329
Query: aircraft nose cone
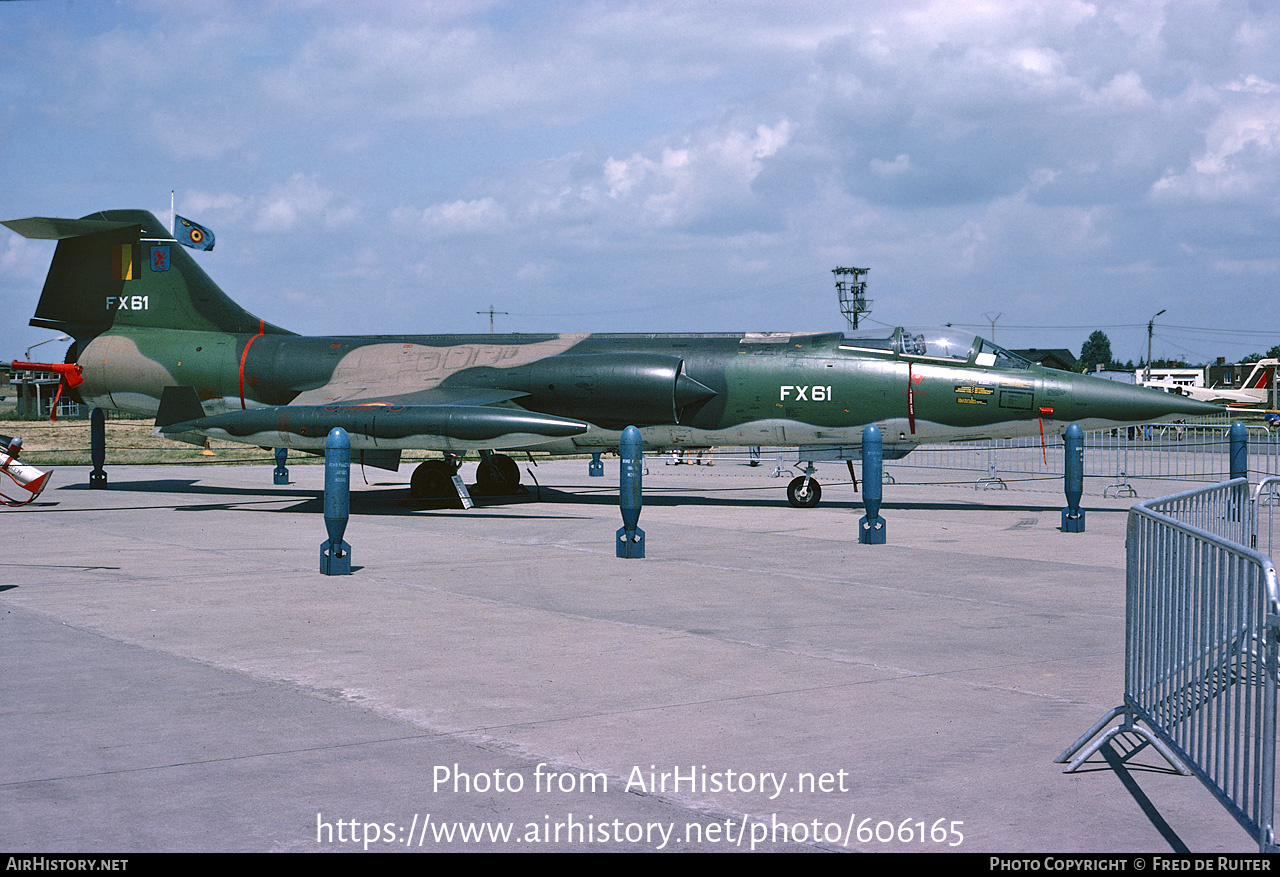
1095	398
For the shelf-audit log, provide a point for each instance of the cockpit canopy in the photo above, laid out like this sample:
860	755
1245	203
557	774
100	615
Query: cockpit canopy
940	343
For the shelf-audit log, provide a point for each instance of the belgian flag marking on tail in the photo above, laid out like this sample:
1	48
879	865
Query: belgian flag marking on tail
126	261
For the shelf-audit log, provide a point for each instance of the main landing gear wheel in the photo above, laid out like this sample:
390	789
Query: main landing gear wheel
432	480
803	498
498	475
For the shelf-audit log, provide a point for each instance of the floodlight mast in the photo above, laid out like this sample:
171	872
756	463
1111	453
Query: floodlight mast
852	293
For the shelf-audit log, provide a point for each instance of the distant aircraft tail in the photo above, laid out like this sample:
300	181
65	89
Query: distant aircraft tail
123	268
1262	380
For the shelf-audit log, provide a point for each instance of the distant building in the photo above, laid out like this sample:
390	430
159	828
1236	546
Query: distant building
1059	358
1123	376
1170	378
1226	374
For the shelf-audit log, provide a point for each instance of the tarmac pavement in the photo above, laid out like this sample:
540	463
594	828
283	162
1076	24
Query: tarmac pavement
175	674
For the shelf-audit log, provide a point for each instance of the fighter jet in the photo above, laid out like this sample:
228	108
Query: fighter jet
154	336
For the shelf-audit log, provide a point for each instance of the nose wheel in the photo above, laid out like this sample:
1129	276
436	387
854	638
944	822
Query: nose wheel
804	492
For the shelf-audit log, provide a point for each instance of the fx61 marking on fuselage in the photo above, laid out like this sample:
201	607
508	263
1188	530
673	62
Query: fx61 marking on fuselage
814	393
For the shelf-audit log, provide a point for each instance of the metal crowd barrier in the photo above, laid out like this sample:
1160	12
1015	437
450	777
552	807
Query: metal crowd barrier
1266	498
1192	452
1202	624
1161	451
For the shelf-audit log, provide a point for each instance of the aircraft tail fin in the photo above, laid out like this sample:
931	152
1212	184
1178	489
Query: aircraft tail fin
123	268
1263	378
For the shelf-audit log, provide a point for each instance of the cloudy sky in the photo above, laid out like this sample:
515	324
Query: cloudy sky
369	167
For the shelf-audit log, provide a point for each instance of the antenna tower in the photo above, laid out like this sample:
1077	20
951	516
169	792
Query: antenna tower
491	312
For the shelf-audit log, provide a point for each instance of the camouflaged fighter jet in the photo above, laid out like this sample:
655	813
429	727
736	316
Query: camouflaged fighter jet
155	336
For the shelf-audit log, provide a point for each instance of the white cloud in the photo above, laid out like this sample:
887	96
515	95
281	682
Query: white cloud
477	216
534	271
198	203
1241	157
299	200
1253	84
433	70
900	165
1124	92
23	259
695	181
706	178
1039	61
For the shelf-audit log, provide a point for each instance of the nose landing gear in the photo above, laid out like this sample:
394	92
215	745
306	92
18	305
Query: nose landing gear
804	491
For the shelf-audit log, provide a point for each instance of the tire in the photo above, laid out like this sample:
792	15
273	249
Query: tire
432	479
804	500
498	475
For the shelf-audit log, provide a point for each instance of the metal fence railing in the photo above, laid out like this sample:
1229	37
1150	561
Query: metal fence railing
1158	451
1178	451
1266	500
1202	628
1161	451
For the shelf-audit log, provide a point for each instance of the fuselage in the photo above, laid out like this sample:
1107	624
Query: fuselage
682	390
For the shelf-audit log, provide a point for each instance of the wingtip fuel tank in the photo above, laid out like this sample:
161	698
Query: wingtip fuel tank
370	426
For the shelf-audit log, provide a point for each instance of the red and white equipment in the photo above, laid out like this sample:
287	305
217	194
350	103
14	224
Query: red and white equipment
70	375
29	480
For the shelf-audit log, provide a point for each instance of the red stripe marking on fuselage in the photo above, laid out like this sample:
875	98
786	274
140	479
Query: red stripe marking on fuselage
911	396
262	328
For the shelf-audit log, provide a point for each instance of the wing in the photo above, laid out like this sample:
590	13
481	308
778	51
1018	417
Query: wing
434	396
446	420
